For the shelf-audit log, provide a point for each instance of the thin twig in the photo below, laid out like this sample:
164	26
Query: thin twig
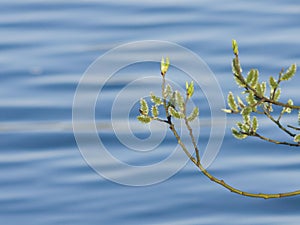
278	123
271	140
159	120
187	124
295	128
163	95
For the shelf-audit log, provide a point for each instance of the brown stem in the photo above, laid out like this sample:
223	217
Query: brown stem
187	124
278	123
272	140
295	128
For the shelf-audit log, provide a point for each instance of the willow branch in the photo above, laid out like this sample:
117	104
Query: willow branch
278	123
222	182
264	98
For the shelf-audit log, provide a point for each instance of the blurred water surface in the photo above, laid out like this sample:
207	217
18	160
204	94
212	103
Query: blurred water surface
45	48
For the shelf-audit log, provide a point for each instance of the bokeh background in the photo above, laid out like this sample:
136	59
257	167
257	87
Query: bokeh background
45	48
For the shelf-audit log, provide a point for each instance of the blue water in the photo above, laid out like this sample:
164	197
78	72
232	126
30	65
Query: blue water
46	46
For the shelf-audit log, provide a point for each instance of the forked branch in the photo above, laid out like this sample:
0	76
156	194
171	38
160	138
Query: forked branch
175	107
257	102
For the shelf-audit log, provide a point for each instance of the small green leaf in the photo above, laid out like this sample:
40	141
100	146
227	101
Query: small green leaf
194	114
164	66
174	113
277	94
168	91
235	47
179	100
237	134
263	87
156	100
154	111
259	89
297	138
236	67
273	83
254	124
189	89
172	101
246	118
250	76
144	107
246	111
231	102
240	102
251	101
255	78
290	102
239	125
144	119
289	73
246	114
245	128
288	109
